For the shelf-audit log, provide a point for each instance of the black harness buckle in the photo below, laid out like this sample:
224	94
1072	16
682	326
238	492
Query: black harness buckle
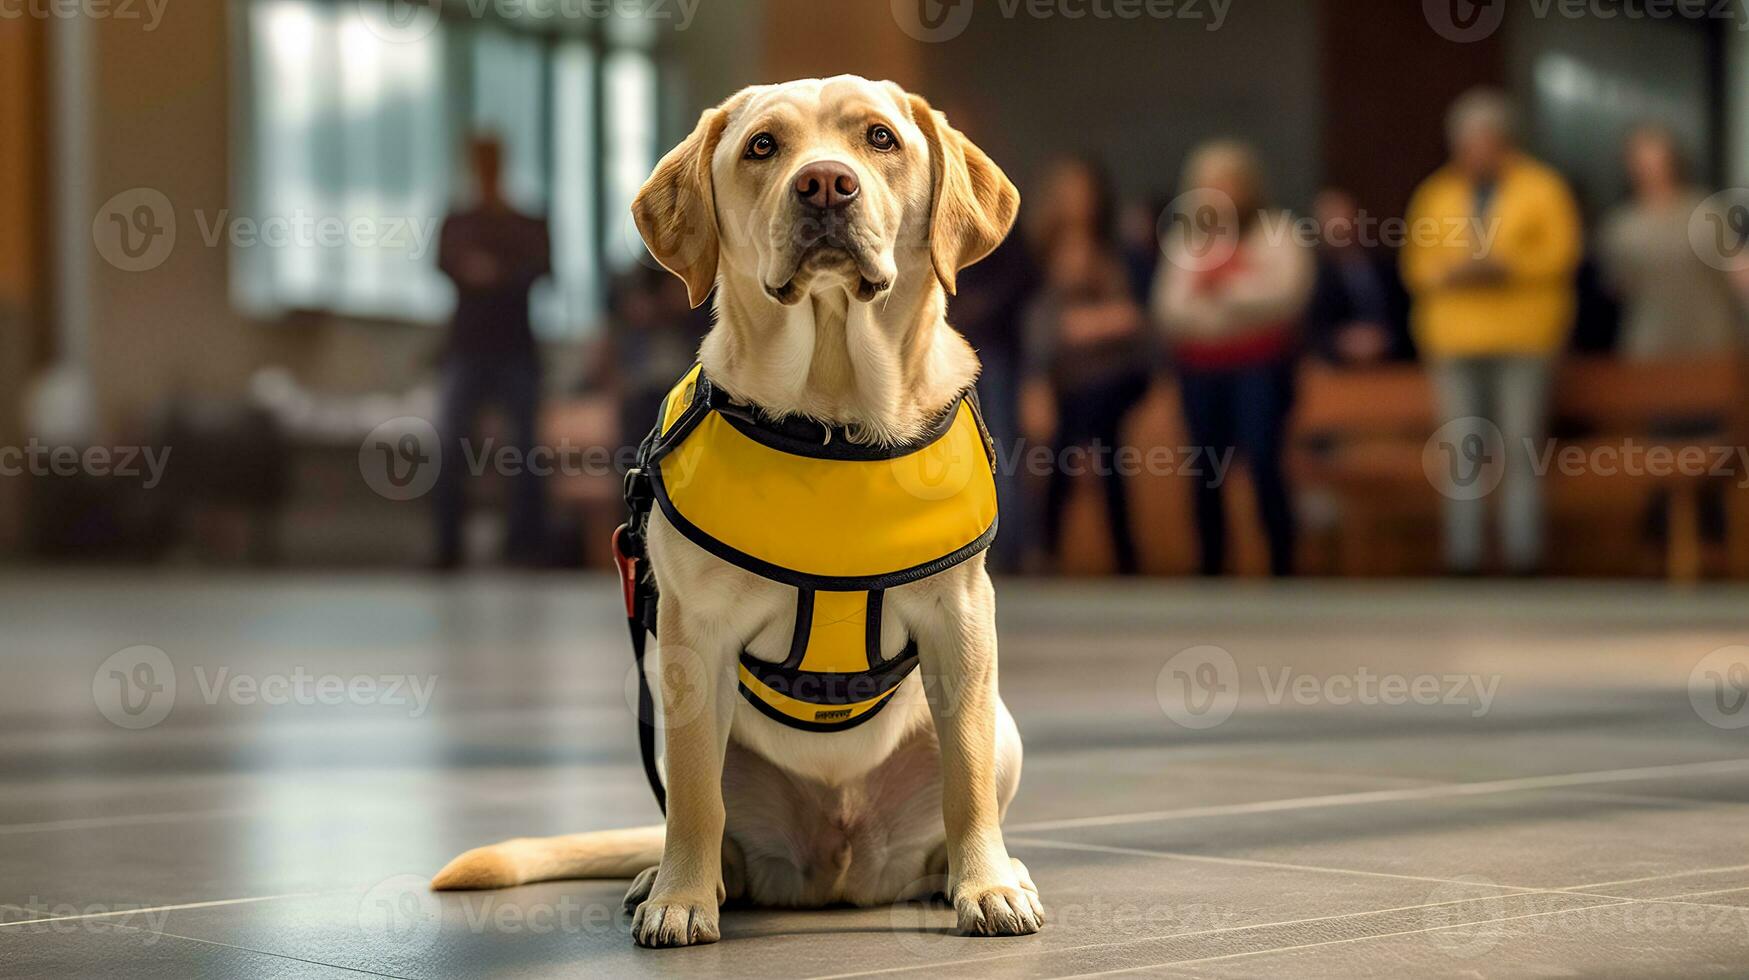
638	489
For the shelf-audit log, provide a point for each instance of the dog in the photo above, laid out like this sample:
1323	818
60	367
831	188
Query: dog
831	217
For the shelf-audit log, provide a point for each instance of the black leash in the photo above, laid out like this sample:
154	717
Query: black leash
640	598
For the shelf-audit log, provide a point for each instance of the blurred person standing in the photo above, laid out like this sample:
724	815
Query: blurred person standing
1358	315
494	255
653	333
1674	304
1230	298
1493	246
987	309
1138	229
1086	354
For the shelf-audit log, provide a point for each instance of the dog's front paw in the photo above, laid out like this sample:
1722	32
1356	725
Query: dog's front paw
674	920
642	886
1007	908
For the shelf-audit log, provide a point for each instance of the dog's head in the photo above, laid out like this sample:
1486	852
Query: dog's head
823	184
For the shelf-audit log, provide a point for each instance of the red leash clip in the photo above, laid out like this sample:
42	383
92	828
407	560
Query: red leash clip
628	571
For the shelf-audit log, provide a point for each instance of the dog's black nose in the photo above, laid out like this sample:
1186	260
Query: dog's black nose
826	185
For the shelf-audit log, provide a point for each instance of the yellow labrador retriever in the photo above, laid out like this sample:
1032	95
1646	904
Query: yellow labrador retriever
832	216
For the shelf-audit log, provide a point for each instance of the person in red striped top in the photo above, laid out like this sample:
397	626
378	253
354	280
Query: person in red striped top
1229	300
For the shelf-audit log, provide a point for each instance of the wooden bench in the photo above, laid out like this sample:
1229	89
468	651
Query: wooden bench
1358	438
1360	435
585	489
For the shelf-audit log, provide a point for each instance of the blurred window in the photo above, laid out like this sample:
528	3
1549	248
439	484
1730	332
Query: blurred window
350	153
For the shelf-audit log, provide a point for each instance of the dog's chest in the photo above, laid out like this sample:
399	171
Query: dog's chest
830	755
860	840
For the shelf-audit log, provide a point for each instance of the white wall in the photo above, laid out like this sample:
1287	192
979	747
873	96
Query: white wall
1737	109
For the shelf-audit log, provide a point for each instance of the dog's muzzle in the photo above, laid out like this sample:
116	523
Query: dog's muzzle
821	238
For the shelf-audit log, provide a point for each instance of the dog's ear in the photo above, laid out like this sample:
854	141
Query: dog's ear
974	204
676	209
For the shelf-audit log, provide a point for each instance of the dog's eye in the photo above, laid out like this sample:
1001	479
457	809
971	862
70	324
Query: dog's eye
761	147
881	138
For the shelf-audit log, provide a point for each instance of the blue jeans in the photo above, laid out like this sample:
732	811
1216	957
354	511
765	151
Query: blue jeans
469	388
1242	411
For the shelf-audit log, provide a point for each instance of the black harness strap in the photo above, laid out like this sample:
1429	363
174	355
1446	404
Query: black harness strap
640	598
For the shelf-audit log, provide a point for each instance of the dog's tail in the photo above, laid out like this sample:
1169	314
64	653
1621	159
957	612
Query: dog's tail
597	854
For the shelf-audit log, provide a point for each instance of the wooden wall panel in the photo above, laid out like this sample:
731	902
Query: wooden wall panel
1388	78
21	245
21	99
815	38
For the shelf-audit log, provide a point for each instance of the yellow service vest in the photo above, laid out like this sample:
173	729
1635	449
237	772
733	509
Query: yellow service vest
796	502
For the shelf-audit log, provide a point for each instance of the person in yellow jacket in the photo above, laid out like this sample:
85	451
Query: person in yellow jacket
1493	245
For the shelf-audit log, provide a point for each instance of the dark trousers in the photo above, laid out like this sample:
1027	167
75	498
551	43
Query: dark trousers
469	388
1090	417
1242	411
999	401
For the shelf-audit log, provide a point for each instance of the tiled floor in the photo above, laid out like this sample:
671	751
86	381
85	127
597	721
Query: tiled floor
1384	781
